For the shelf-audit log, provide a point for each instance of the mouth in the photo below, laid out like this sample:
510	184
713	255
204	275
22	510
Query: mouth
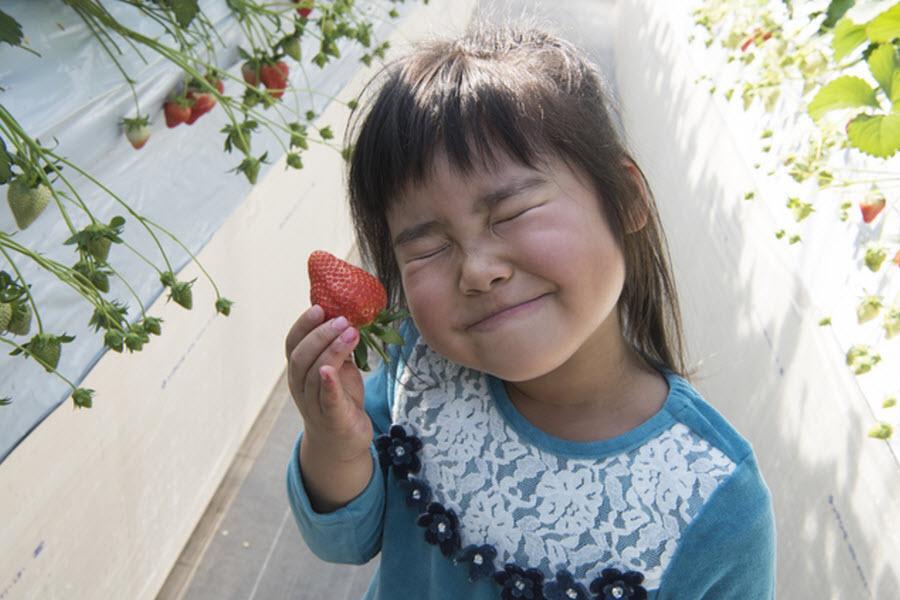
511	312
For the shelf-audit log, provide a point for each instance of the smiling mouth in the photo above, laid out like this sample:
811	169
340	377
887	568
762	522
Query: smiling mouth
508	312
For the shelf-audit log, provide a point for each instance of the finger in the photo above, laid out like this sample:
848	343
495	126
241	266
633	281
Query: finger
332	400
307	321
335	354
314	350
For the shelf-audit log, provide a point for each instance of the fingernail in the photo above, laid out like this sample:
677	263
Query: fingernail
348	335
339	324
316	312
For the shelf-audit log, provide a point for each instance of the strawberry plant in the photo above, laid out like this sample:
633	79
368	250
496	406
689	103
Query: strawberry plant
40	183
834	66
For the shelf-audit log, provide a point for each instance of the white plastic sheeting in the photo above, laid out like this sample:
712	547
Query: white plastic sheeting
72	98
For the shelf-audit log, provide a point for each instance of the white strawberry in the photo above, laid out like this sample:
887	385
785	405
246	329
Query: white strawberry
27	202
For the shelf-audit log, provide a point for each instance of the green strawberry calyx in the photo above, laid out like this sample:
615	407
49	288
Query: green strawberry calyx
376	334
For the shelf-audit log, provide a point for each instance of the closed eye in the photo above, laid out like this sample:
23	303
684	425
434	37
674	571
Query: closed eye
430	254
515	216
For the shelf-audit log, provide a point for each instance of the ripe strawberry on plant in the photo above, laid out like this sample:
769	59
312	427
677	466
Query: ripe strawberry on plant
274	77
27	197
342	289
177	111
202	103
137	131
871	206
305	9
250	72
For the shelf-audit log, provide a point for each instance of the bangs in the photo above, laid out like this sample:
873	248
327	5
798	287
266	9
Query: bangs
473	111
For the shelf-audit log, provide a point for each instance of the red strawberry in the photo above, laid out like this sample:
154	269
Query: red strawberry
137	131
250	73
871	206
342	289
274	77
177	111
282	66
897	258
217	83
304	10
202	103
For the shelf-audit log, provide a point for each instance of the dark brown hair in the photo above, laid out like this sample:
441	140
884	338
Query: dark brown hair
526	94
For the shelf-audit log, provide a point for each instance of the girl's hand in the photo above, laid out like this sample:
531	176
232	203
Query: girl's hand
327	387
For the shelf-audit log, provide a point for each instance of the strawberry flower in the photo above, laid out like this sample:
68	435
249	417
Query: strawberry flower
518	583
398	449
480	560
564	587
441	527
615	585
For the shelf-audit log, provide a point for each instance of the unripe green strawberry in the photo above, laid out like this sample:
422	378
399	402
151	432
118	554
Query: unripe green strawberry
152	325
20	323
891	322
27	203
83	398
181	294
46	348
291	46
113	340
868	309
875	255
99	248
6	311
223	306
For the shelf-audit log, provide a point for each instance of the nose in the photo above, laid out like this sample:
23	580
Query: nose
480	271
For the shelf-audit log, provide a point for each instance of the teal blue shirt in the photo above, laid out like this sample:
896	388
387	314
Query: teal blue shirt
679	499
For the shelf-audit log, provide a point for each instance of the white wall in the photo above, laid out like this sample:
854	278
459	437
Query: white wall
766	364
99	503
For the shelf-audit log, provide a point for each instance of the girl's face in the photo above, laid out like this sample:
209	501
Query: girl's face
532	242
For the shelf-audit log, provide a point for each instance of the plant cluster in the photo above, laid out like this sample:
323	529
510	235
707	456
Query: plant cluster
847	77
35	174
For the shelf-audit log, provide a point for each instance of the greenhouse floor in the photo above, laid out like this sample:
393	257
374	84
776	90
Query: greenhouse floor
247	545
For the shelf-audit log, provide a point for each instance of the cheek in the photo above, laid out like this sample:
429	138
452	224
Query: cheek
427	296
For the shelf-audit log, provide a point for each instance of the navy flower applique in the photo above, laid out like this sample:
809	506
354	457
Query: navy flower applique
480	560
564	587
399	450
441	527
416	491
615	585
518	583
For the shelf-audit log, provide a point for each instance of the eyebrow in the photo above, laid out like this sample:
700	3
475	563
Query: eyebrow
491	200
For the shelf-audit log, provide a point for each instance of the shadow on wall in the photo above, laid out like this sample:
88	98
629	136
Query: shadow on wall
759	358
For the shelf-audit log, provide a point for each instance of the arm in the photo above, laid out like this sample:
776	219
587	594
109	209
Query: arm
352	532
728	551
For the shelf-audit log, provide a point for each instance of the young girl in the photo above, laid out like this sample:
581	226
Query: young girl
536	436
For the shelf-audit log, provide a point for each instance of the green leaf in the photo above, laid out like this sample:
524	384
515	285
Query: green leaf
886	26
847	37
10	30
185	11
836	10
877	135
844	92
5	164
883	63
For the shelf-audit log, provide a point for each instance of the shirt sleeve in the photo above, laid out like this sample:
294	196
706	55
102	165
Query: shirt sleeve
351	534
728	551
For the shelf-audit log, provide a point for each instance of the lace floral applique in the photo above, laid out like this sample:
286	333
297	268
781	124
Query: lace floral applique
398	449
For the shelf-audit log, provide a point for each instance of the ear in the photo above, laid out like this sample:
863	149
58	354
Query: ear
639	209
